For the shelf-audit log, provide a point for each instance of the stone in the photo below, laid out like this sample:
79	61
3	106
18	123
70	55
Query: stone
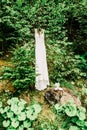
51	97
61	96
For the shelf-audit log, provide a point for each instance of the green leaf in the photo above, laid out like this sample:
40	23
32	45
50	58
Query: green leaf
13	101
22	101
74	128
30	129
6	109
80	123
15	124
29	112
61	129
21	127
10	114
14	108
86	123
21	105
22	116
58	107
6	123
37	108
19	3
81	116
71	110
33	117
81	113
27	124
82	109
74	119
14	119
10	128
2	110
32	111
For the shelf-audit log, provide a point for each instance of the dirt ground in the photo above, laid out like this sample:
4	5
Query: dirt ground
5	85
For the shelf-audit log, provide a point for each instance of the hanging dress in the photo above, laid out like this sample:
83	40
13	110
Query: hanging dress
42	79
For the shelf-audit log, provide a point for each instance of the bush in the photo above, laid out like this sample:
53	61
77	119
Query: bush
19	18
62	63
76	24
22	73
75	116
17	115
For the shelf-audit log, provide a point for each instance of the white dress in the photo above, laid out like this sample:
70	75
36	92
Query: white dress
42	79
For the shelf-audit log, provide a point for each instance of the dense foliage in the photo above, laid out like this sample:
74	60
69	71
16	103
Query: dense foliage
22	73
67	66
17	115
19	19
65	24
76	116
63	21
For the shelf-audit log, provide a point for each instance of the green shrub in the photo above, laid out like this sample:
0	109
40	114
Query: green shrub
75	116
83	64
62	63
76	24
22	73
19	18
17	115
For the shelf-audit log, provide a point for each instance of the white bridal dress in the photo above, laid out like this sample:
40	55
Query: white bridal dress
42	79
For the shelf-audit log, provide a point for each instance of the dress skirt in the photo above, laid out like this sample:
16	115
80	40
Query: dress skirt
42	79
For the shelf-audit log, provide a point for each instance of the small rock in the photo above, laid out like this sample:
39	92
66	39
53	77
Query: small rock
61	96
51	97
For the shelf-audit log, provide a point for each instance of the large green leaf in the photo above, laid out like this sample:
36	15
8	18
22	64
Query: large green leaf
74	128
22	102
81	113
15	124
61	129
6	109
32	111
71	110
80	123
37	108
19	3
81	116
2	110
20	108
14	108
10	114
58	107
21	127
30	129
29	112
33	117
82	109
86	123
6	123
22	116
27	124
14	119
14	101
11	128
